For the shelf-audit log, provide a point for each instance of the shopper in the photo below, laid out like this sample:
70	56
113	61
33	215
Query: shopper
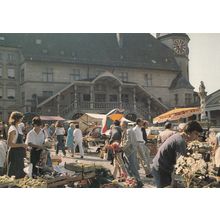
16	147
70	139
129	147
165	134
115	136
174	146
78	139
145	162
59	133
36	139
146	148
47	131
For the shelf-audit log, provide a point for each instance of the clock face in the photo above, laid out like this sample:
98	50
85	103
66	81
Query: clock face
180	47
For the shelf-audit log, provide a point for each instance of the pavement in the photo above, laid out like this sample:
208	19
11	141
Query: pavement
91	157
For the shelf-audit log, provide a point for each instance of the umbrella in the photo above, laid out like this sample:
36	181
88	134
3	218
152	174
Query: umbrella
176	114
114	114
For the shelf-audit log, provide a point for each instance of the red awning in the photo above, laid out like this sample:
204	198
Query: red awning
51	118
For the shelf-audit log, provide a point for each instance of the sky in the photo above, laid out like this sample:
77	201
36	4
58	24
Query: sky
204	60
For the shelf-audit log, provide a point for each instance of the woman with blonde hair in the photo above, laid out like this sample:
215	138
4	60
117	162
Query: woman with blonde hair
16	147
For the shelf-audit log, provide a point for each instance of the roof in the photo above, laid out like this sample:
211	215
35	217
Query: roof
213	94
137	50
181	82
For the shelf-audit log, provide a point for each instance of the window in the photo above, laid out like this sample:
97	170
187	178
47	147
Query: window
23	98
61	52
0	72
2	38
86	97
47	94
11	57
1	93
75	75
48	75
38	41
100	98
124	98
188	98
11	93
123	76
113	98
148	79
176	99
0	56
22	75
45	51
11	73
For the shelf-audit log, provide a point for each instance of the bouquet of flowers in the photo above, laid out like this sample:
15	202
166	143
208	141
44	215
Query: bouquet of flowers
192	165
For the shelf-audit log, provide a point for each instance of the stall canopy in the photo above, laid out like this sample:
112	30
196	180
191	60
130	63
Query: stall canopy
89	118
176	114
51	118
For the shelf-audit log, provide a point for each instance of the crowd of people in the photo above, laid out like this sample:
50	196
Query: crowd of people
18	138
131	150
127	147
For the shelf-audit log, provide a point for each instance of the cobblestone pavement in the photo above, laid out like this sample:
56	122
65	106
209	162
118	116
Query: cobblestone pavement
93	158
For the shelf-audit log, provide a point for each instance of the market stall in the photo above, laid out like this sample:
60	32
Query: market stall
176	114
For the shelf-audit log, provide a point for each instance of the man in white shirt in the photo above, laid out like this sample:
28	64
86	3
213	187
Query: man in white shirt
35	139
141	147
78	140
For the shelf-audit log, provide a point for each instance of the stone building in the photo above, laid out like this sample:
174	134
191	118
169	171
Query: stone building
70	74
213	108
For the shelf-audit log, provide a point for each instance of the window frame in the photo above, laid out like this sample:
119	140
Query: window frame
11	97
11	68
148	79
123	76
48	75
113	100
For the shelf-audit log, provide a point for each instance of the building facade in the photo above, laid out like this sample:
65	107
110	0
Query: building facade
70	74
213	108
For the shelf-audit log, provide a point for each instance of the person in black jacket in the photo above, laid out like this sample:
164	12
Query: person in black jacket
115	135
170	150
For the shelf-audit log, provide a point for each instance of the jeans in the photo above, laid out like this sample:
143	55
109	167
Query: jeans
144	157
60	144
133	165
49	161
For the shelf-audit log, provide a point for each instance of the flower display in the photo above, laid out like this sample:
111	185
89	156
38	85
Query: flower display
187	167
191	166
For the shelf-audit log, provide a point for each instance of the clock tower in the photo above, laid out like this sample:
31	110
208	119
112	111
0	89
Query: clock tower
179	44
